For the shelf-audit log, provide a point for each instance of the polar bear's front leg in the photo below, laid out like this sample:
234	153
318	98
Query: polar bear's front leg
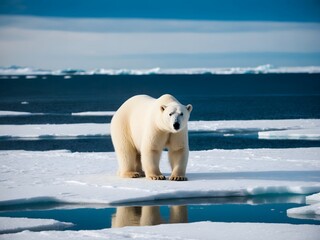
150	160
178	161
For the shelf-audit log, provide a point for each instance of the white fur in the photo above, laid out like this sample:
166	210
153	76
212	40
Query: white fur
142	127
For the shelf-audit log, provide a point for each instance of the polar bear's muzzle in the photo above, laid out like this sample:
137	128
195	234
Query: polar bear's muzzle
176	126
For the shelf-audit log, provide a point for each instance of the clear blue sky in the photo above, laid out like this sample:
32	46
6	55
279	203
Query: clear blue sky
149	33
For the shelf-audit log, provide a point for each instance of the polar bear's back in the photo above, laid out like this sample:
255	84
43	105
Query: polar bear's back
135	105
142	104
135	116
128	123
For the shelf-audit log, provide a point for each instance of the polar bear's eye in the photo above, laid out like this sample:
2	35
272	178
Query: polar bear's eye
181	114
170	114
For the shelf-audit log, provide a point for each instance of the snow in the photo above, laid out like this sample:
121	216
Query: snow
314	198
13	225
94	113
263	69
200	230
307	212
91	113
15	113
65	177
17	70
54	131
308	129
305	134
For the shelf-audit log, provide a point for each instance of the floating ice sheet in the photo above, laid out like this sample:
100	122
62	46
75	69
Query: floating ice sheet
62	177
13	225
15	113
308	129
306	212
263	69
200	230
91	113
94	113
314	198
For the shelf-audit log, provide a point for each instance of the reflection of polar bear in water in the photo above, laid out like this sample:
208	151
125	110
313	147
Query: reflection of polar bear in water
142	127
147	216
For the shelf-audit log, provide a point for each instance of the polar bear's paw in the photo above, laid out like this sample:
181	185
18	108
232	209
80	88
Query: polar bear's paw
178	178
157	177
131	175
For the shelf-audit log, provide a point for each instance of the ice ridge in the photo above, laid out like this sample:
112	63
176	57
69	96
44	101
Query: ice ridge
263	69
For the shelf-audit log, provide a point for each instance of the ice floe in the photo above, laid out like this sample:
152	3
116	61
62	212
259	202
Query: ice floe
308	129
13	225
263	69
306	134
200	230
54	131
14	113
61	176
90	113
307	212
94	113
314	198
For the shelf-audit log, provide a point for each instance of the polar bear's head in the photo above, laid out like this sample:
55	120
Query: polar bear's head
175	116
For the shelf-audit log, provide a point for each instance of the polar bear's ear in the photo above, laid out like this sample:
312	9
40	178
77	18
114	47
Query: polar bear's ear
163	107
189	107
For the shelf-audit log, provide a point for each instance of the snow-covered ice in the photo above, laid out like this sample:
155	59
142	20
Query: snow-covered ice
305	134
314	198
192	231
308	129
307	212
62	176
91	113
43	131
263	69
13	225
94	113
15	113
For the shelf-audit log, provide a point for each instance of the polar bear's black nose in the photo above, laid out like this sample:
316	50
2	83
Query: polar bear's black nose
176	126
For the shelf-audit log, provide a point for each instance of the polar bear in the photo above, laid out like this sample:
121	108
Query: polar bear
142	127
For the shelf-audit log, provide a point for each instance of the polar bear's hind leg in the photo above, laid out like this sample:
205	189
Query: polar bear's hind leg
127	155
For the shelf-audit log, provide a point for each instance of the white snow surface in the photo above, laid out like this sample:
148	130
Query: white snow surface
191	231
15	113
41	131
305	134
12	225
308	129
91	113
314	198
62	176
94	113
307	212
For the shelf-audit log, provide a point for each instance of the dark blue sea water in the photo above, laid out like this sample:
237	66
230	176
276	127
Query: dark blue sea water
214	97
